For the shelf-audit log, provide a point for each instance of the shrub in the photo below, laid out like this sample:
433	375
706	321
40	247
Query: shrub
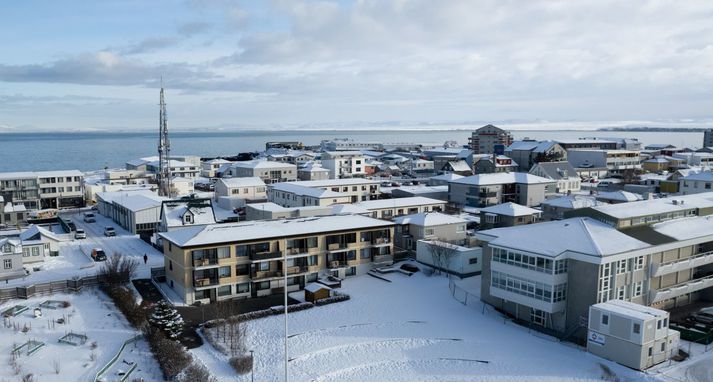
332	300
241	364
124	300
196	372
118	269
171	356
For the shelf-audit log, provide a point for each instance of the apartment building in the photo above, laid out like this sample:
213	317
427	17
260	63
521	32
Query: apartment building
210	168
429	226
350	145
616	161
312	171
508	215
527	153
243	260
344	164
548	274
708	138
358	189
391	208
270	172
296	195
490	189
484	139
633	335
589	143
248	188
43	189
568	180
486	163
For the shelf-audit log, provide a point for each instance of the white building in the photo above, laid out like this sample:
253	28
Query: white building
182	213
249	188
616	161
568	181
43	189
454	259
391	208
268	171
429	226
349	145
210	167
296	195
696	183
344	164
312	171
138	212
358	189
11	258
633	335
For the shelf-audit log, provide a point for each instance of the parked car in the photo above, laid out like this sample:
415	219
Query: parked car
80	234
109	231
89	218
98	254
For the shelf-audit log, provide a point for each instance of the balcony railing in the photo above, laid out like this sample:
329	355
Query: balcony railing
205	282
383	259
260	275
682	264
296	269
205	262
380	241
681	289
337	264
296	251
265	255
337	246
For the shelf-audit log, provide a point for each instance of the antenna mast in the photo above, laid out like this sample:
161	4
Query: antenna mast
164	150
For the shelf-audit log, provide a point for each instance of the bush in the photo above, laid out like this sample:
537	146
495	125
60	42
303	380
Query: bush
241	364
125	301
171	356
332	300
117	270
196	372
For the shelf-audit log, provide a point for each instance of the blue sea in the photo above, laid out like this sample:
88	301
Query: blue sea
87	151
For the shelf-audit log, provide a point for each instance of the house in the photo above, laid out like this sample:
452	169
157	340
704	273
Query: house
529	271
43	189
507	215
656	164
696	158
316	291
312	171
485	139
210	167
459	167
432	192
616	161
696	183
485	164
11	257
344	164
296	195
443	180
358	189
490	189
247	259
390	208
185	212
428	226
527	153
270	172
231	193
614	197
11	215
453	259
568	180
181	186
37	243
270	211
555	208
630	334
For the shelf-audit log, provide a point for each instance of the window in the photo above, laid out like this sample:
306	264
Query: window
7	263
242	269
312	277
639	263
223	252
473	260
621	292
621	266
264	266
658	324
225	290
663	347
224	272
364	253
170	265
428	231
351	255
637	328
638	289
263	285
351	271
537	316
242	288
651	351
665	322
605	319
313	260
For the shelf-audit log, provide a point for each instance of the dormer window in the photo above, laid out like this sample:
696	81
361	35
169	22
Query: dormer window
187	218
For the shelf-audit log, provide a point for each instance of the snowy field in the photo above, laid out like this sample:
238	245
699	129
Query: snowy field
408	330
90	313
72	262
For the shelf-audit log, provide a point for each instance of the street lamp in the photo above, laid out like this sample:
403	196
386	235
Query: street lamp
252	366
284	273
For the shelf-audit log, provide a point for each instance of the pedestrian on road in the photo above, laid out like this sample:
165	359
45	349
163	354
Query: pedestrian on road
146	258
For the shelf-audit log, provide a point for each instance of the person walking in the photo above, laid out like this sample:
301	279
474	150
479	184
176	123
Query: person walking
146	258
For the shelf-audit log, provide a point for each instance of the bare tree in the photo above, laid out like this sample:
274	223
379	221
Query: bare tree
442	254
118	269
56	366
229	327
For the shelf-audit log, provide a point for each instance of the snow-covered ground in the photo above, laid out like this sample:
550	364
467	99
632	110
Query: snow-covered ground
72	262
90	313
407	330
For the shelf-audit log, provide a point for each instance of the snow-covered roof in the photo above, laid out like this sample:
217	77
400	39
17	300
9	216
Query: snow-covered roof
262	229
39	174
572	202
398	202
459	165
558	170
335	182
251	181
622	196
686	228
423	189
348	209
522	145
656	160
314	287
174	211
35	230
262	164
447	177
657	206
580	235
428	219
510	209
10	208
658	146
503	178
217	161
705	176
134	200
313	167
630	309
294	188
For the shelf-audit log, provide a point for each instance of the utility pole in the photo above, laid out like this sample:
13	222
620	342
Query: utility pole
164	150
284	271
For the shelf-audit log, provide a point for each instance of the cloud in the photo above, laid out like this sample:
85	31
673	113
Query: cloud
149	45
193	28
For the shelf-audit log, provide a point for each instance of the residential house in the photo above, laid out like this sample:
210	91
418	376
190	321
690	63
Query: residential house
296	195
490	189
344	164
696	183
428	226
11	215
186	212
210	167
11	257
616	161
527	153
453	259
486	164
391	208
555	208
564	173
232	193
508	215
269	172
358	189
312	171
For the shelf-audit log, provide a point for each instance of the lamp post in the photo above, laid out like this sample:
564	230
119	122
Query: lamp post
284	273
252	366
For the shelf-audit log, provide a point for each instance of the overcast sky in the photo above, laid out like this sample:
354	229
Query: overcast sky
97	64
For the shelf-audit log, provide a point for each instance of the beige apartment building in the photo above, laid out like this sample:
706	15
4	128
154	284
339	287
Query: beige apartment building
243	260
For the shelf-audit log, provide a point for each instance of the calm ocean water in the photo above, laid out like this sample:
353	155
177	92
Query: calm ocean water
91	151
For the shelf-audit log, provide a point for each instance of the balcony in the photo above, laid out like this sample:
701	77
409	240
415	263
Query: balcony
205	262
383	259
205	282
337	264
296	269
682	264
297	251
681	289
380	241
263	275
337	247
265	255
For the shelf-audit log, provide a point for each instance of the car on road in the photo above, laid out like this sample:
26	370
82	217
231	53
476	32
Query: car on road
109	231
98	254
80	234
89	218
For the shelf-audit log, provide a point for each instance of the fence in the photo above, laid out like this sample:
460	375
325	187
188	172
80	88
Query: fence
463	296
25	292
116	358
